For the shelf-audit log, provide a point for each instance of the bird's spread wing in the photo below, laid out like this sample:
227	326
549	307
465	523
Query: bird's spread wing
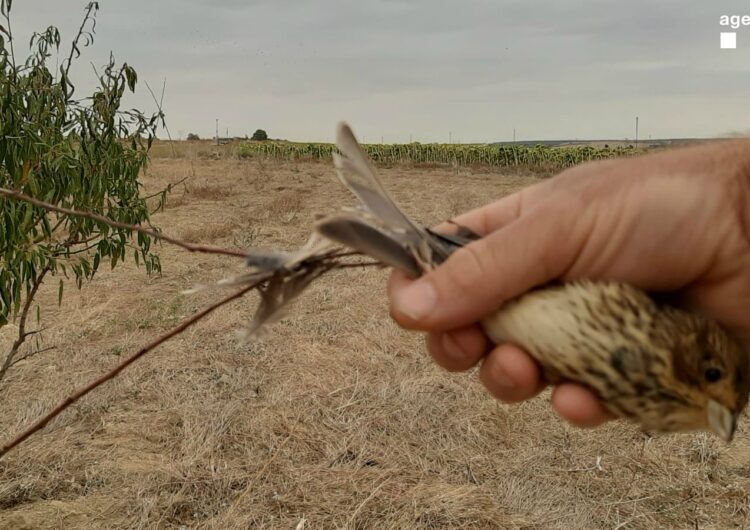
356	173
379	229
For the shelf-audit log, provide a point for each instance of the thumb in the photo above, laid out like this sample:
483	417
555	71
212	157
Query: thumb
477	279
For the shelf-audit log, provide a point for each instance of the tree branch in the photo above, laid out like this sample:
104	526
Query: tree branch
13	194
168	188
41	237
8	362
10	40
31	354
74	46
39	424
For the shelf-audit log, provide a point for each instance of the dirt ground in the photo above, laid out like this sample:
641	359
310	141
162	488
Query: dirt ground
335	419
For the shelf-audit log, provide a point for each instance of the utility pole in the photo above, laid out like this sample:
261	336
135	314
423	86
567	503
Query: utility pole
636	132
514	135
450	137
217	131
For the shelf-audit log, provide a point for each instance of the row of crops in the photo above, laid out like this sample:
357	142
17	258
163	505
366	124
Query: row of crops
461	154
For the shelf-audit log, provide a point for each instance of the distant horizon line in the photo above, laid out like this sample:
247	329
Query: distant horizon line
494	142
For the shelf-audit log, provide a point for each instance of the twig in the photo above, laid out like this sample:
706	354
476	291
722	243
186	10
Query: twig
13	194
39	424
168	188
10	41
163	200
31	354
362	264
92	6
161	112
41	237
22	334
34	331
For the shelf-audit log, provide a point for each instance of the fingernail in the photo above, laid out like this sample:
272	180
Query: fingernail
417	301
452	348
502	379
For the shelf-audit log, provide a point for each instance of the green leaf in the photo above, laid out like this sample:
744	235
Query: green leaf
27	217
131	77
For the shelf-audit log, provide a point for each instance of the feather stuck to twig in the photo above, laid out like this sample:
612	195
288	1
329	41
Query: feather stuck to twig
281	277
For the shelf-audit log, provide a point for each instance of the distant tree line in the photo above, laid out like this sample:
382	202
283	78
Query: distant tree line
259	136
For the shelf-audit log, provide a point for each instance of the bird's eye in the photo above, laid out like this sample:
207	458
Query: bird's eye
712	375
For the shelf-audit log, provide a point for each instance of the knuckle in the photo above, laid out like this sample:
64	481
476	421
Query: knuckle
470	268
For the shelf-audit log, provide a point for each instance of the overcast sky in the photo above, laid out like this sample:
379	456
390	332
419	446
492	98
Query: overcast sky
474	69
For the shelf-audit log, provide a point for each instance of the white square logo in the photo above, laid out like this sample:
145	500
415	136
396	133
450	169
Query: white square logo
728	41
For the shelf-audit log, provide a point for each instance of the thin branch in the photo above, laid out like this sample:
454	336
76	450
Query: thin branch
161	112
74	44
31	354
363	264
8	362
10	42
13	194
41	237
162	202
67	253
39	424
168	188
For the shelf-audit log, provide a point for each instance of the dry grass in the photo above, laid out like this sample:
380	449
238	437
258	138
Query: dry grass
207	191
336	418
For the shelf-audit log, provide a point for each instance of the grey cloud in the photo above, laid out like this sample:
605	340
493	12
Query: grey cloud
425	67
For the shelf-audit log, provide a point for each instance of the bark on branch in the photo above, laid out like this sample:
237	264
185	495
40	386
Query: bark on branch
22	333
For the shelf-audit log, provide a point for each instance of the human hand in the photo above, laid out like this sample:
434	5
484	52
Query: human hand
674	221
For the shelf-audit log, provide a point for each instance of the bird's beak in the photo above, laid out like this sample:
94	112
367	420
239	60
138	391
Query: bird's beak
721	420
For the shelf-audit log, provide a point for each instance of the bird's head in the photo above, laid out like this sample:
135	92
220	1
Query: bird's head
716	368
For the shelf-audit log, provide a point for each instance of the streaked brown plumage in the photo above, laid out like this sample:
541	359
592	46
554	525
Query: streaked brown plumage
651	364
667	369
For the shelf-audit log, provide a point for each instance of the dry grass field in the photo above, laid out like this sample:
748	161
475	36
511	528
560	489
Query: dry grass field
335	419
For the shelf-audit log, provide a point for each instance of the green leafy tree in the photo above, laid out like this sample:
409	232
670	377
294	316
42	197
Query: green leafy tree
82	154
193	136
259	135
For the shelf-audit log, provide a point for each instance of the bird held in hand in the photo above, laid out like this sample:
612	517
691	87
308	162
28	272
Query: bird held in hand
666	369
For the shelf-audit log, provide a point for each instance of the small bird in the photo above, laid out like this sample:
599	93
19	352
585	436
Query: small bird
664	368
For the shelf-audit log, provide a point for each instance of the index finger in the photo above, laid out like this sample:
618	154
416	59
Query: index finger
494	215
538	246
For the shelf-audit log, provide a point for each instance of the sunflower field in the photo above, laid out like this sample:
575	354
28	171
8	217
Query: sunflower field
501	155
